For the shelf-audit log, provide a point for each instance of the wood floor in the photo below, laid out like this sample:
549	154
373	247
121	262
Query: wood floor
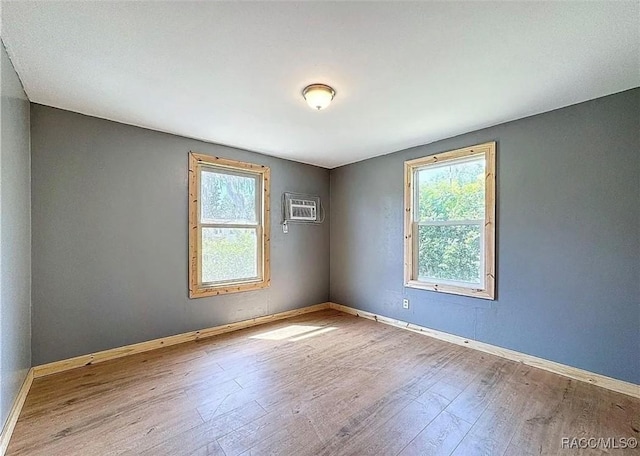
325	383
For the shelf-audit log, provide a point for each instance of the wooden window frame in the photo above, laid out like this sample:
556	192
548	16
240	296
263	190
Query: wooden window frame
410	249
198	161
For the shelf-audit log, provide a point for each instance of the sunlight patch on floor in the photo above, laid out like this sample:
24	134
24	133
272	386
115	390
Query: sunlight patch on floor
314	333
294	332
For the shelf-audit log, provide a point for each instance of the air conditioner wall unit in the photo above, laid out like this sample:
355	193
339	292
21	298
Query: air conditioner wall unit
301	208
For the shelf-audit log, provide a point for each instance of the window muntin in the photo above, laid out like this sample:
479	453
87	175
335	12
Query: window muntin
449	225
229	226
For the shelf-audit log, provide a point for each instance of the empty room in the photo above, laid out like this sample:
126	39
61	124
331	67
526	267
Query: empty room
319	228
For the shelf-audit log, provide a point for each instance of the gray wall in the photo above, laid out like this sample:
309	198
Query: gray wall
110	237
15	236
568	236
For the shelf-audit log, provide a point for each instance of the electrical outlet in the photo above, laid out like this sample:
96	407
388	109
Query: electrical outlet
405	303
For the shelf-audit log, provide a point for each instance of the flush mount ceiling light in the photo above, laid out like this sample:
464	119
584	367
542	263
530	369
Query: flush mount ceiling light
318	96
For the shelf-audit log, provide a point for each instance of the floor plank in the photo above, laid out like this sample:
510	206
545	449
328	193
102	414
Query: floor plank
325	383
440	437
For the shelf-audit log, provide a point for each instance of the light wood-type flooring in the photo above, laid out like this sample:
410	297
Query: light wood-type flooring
324	383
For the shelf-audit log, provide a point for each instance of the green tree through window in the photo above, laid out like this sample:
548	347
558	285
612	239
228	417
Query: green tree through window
449	194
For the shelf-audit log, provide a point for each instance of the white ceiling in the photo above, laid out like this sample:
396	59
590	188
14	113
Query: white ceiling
405	73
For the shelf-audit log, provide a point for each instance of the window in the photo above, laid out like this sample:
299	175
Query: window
228	226
450	222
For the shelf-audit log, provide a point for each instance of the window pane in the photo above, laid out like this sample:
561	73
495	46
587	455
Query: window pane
229	254
452	191
227	198
451	253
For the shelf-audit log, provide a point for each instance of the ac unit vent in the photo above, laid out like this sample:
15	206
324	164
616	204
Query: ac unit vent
301	209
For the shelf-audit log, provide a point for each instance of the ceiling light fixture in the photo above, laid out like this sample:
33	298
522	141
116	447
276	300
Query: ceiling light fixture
318	96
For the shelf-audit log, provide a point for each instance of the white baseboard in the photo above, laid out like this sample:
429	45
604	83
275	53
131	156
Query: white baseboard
14	413
620	386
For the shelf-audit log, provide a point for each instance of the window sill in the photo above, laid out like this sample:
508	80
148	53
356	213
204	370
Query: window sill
451	289
228	288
